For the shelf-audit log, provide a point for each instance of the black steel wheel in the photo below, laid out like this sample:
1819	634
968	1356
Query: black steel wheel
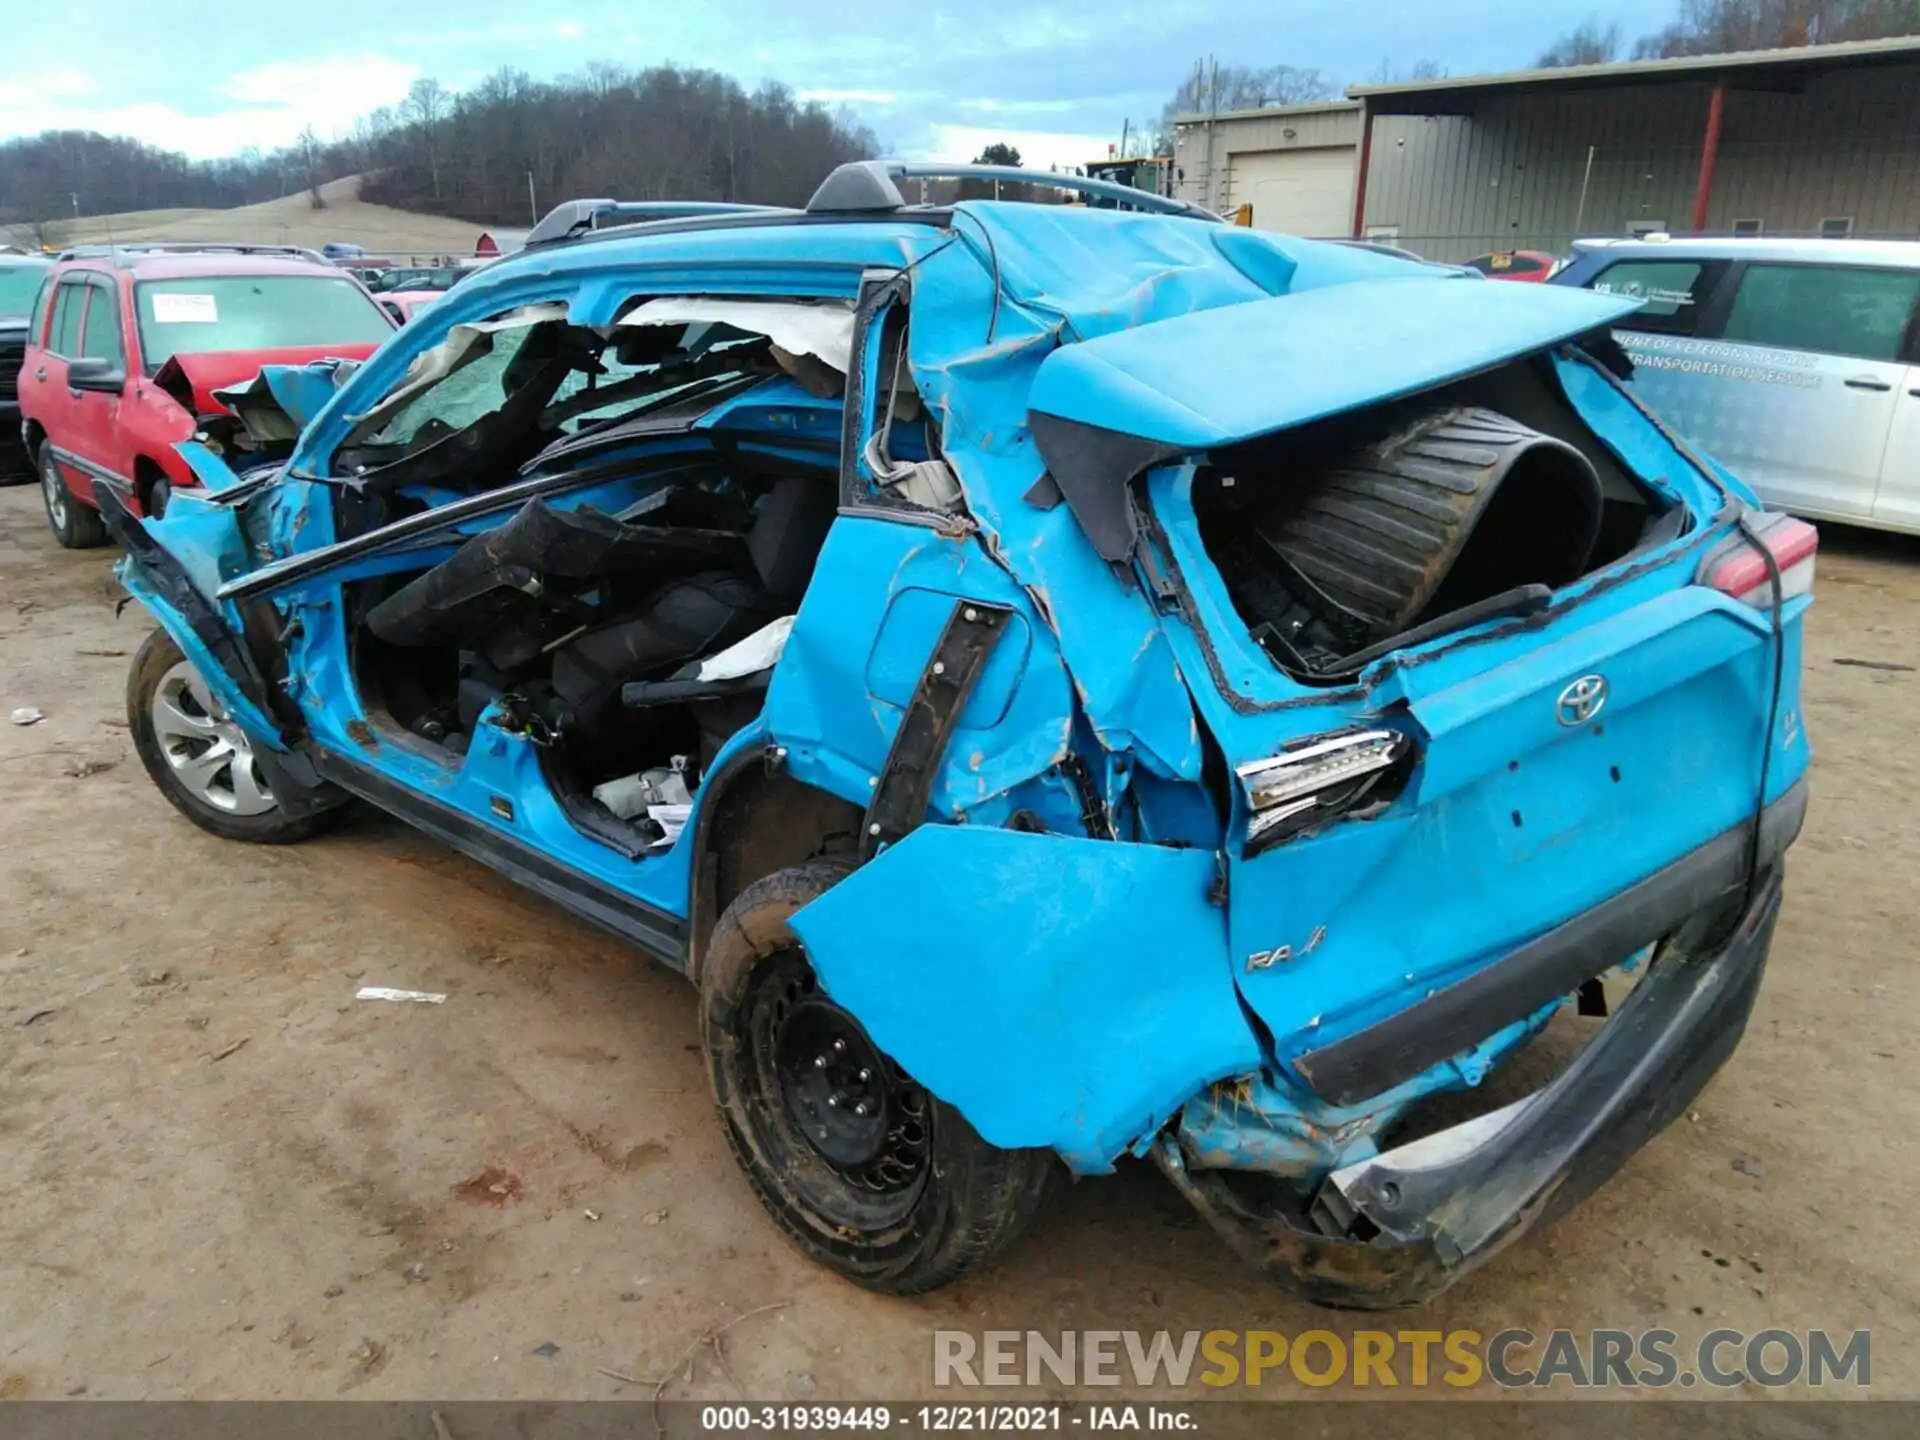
863	1169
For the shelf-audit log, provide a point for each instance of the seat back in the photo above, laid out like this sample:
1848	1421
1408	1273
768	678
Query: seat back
789	526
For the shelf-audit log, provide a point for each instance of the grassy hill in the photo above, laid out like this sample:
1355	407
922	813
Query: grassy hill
291	220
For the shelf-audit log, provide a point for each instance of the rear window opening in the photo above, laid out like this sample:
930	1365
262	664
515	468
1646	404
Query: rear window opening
1343	540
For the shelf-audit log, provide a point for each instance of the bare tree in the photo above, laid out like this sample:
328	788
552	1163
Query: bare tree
425	106
1588	43
309	155
1391	74
662	133
1718	27
1211	89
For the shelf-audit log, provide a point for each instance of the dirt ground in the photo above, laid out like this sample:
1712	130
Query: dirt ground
221	1176
291	220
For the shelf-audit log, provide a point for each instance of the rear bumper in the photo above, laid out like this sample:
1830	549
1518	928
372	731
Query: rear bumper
1399	1229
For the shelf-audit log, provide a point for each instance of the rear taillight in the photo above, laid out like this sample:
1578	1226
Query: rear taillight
1736	567
1348	774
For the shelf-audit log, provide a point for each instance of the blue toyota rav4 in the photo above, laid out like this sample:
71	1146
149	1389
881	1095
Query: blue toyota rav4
1064	682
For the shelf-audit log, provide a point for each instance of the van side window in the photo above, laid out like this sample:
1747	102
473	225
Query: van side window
1828	309
1673	292
68	306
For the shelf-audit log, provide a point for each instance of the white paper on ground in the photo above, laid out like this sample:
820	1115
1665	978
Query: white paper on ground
759	651
381	992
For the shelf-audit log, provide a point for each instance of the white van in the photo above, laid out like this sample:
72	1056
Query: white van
1796	363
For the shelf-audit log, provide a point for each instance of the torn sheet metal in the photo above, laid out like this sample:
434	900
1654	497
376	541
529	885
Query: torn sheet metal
1123	672
1074	999
823	330
850	665
281	400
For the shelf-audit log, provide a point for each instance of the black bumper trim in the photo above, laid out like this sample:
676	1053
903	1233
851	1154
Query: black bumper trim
1431	1224
1702	882
169	580
654	930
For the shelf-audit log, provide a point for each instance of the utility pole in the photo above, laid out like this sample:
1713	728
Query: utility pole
533	210
1214	201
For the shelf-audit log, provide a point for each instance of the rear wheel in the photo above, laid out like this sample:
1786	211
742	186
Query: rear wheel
75	525
202	761
864	1170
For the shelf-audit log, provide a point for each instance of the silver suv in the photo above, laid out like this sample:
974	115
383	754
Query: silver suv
1796	363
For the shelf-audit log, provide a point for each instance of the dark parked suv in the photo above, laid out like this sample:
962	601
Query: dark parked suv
20	278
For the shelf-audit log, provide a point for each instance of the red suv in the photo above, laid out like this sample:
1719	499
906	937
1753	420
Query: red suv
127	345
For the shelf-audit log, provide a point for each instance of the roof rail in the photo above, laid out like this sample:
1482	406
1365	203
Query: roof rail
571	218
874	185
124	251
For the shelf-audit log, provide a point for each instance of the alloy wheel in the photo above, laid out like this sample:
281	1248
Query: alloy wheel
211	756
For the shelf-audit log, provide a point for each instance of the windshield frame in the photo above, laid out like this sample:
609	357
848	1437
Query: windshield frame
153	358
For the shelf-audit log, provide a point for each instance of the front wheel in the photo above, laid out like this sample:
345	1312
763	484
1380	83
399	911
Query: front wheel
201	760
74	525
864	1170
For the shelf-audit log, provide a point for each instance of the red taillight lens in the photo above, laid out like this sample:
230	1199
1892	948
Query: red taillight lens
1735	568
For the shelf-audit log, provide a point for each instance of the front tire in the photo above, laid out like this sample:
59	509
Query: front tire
75	525
199	758
864	1170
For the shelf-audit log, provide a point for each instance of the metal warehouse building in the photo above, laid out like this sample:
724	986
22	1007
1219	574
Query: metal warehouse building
1821	140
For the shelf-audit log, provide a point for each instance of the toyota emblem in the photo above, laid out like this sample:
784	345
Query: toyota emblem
1582	700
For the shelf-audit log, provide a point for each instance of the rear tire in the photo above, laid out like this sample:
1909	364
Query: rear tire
201	761
866	1172
75	524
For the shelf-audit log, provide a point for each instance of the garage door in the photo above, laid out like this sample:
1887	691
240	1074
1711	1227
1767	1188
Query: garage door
1298	192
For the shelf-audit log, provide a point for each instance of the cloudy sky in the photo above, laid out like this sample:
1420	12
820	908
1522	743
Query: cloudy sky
933	78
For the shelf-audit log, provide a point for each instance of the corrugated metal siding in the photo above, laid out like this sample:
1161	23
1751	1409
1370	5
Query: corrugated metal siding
1510	176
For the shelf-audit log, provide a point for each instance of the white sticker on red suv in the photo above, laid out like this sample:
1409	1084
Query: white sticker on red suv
173	309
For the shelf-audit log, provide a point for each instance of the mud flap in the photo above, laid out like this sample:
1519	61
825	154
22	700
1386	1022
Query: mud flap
1069	994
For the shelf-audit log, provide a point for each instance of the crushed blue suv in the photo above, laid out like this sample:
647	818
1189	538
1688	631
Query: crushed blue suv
1066	682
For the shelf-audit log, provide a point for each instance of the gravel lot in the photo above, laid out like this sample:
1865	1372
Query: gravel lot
222	1176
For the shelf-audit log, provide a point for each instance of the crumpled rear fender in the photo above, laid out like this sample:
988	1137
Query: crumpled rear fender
1060	993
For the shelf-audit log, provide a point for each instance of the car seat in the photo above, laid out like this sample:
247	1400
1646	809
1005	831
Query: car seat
700	614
